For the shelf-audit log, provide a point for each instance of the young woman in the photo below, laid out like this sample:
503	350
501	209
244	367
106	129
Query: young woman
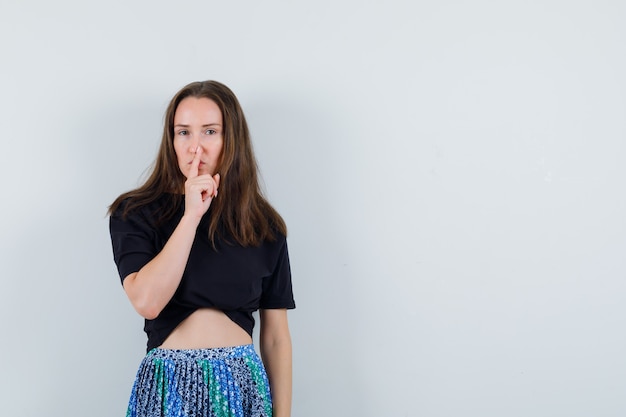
198	250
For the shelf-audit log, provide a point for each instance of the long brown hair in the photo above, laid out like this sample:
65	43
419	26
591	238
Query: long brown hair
240	208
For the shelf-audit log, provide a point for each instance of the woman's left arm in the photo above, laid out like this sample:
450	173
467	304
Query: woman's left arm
275	342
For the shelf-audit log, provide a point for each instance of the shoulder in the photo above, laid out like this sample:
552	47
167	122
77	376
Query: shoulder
133	207
153	216
275	248
277	239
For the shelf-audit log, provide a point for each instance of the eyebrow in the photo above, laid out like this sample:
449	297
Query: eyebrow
206	125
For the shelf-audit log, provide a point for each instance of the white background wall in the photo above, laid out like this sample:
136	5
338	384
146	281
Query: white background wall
452	173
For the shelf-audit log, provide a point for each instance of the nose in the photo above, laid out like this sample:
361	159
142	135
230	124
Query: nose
194	144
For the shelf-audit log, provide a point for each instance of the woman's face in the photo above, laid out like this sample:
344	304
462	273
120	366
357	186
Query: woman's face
198	123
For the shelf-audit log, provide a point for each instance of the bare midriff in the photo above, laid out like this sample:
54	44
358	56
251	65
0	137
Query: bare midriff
206	328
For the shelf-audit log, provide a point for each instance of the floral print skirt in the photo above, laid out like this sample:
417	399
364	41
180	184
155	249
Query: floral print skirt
215	382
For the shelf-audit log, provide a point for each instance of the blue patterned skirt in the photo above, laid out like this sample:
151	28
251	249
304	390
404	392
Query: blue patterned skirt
216	382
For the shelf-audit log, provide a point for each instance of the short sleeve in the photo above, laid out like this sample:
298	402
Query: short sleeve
133	241
277	288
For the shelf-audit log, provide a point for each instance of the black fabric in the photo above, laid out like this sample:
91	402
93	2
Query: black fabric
235	279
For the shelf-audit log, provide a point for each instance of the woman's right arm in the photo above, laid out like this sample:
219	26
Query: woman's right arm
152	287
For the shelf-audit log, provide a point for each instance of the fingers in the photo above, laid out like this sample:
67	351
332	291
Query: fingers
216	179
203	185
193	170
199	192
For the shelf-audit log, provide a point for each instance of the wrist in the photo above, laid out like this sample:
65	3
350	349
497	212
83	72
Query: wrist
190	221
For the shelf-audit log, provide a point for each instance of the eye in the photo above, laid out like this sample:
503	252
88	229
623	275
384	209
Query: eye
210	132
182	132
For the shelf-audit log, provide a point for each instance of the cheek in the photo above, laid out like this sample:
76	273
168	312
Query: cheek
181	163
219	148
178	151
218	153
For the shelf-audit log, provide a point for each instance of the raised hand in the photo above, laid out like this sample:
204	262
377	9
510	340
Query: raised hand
200	190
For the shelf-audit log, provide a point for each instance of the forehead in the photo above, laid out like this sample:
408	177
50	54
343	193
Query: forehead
197	110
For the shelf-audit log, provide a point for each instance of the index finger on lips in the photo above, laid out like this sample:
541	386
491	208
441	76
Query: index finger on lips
195	163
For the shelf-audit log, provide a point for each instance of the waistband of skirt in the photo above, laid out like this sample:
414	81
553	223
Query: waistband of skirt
205	353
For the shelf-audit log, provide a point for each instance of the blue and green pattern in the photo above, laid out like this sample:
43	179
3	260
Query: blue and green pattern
260	380
220	382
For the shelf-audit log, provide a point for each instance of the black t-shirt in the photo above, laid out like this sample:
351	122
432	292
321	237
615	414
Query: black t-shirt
235	279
